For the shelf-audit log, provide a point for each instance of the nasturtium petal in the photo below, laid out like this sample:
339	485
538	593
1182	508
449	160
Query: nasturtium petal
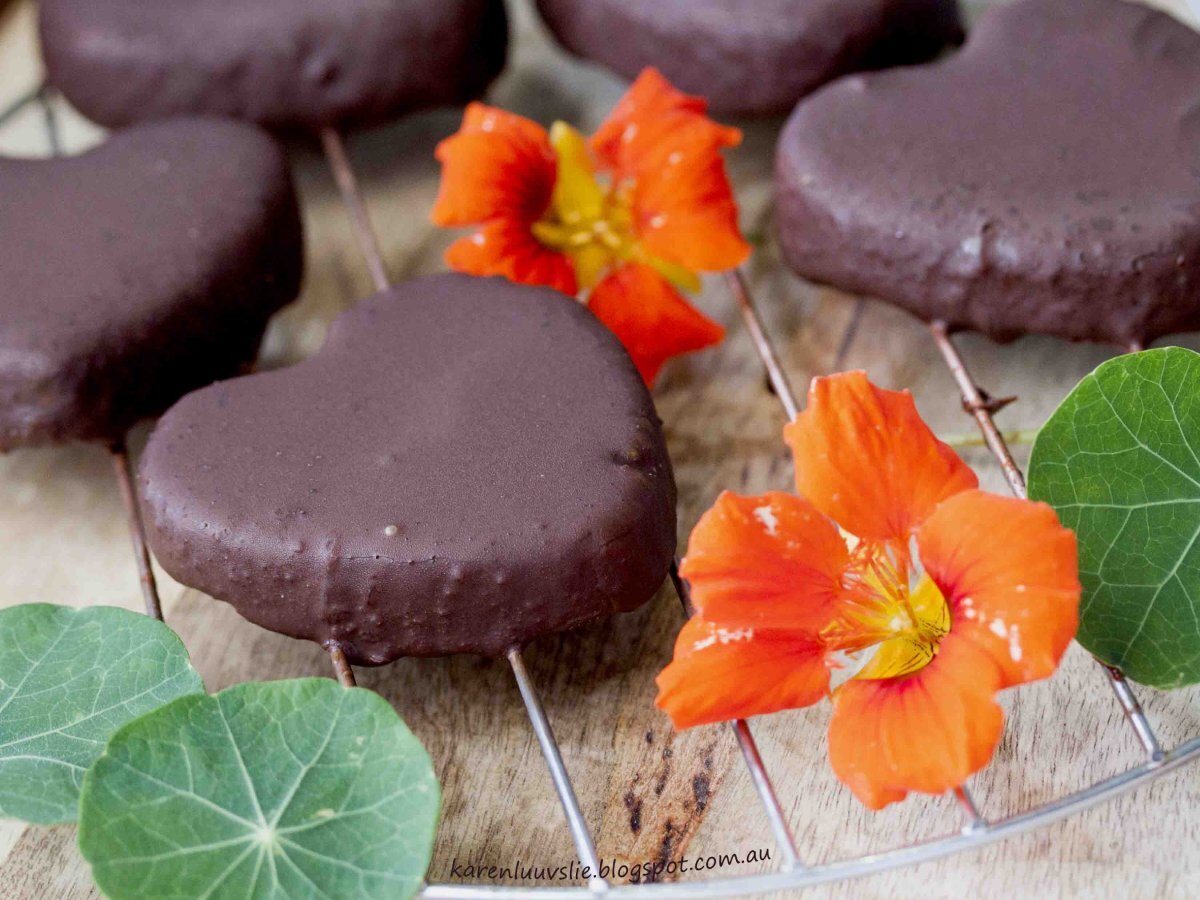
1120	462
297	788
69	678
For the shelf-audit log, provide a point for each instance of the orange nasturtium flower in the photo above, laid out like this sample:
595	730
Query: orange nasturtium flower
629	217
940	594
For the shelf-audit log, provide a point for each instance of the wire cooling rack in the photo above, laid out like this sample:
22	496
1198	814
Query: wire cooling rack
792	873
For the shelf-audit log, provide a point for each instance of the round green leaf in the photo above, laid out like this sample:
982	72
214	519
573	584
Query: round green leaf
296	788
69	678
1120	462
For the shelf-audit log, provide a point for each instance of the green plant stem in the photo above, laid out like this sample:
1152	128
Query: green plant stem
973	439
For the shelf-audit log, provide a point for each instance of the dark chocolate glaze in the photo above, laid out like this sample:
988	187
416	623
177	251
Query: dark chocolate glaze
136	272
295	64
466	464
1045	179
752	56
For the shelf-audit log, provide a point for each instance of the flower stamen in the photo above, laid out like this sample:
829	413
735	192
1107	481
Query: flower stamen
904	623
593	221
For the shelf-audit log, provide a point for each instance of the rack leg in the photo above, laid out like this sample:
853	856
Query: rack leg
137	532
1134	713
341	666
13	109
347	182
584	845
754	762
787	398
976	405
966	800
50	119
736	282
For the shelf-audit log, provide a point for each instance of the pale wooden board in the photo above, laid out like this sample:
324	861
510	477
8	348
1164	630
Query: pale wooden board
63	539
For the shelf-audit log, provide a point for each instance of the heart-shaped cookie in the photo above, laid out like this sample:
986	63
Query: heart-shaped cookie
466	464
1044	179
758	57
282	63
136	272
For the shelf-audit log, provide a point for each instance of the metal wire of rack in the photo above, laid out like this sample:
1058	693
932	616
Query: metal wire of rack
792	873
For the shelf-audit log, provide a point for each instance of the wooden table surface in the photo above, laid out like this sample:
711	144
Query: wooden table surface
648	793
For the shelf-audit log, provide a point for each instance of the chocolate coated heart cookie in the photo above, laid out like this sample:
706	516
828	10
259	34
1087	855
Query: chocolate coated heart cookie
135	272
1045	179
466	464
752	57
282	63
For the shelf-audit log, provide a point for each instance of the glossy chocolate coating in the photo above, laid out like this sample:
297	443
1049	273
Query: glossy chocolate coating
135	272
1045	179
467	464
752	56
295	64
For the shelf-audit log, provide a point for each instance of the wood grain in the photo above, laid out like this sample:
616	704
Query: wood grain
648	793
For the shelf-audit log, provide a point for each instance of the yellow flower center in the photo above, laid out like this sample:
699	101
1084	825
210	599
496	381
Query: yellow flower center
594	223
903	622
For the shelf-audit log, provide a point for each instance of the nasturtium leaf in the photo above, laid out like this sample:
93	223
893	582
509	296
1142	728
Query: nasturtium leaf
296	788
1120	462
69	678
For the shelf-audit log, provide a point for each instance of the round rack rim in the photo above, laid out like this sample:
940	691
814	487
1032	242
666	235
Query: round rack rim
969	838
